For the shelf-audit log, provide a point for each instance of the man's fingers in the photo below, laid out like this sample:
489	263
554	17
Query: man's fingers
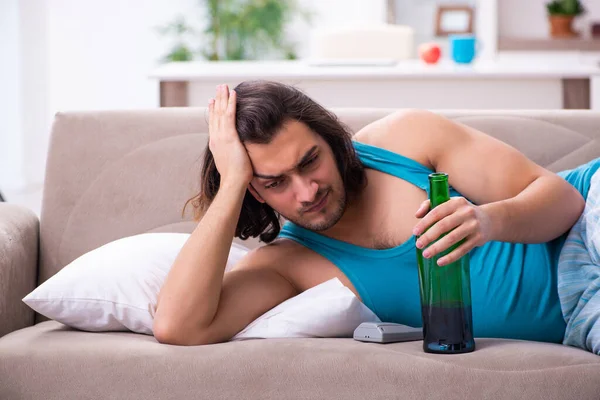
231	103
423	209
438	213
217	108
453	237
438	229
460	251
211	113
223	97
217	97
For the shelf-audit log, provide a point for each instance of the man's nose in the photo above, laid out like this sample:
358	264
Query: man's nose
306	190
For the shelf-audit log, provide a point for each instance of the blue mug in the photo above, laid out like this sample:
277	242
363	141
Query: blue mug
463	48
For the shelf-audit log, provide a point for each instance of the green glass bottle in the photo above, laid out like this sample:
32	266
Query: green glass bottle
445	290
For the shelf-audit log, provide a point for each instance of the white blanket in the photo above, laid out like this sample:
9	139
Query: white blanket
579	276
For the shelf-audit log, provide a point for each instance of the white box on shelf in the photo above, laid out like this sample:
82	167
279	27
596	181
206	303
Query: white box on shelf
375	41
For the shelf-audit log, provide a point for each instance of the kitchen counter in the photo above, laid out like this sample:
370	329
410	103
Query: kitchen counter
524	83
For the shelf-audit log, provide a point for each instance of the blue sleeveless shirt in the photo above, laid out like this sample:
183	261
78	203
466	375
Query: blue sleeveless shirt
513	285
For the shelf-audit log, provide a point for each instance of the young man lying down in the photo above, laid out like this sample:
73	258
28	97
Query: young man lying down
354	206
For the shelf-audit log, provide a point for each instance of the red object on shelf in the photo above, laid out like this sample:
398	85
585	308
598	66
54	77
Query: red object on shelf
430	52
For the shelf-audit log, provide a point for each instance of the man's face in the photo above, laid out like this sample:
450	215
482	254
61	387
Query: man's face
296	174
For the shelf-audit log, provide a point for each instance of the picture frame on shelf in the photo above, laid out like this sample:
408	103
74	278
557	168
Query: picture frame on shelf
454	19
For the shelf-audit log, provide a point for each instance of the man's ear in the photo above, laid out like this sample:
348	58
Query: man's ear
255	193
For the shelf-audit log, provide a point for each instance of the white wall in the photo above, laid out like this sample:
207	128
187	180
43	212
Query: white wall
11	173
100	52
75	55
333	14
93	55
340	13
35	114
528	18
486	28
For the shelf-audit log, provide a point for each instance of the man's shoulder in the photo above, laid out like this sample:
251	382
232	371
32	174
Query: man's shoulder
407	132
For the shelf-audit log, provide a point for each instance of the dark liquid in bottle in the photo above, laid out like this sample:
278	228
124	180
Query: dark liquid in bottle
447	329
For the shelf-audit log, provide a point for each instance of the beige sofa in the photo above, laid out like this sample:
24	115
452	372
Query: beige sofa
115	174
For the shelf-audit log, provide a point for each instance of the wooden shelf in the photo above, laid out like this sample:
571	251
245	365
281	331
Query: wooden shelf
549	44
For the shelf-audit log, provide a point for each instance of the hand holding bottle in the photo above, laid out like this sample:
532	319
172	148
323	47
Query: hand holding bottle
445	292
457	219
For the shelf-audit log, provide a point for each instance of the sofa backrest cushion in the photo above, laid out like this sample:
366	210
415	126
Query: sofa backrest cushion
112	174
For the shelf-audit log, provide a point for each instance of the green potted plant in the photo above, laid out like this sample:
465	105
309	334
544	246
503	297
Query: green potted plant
561	14
181	31
250	29
236	30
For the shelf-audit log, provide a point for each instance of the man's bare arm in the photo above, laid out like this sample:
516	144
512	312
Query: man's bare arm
519	201
525	202
197	303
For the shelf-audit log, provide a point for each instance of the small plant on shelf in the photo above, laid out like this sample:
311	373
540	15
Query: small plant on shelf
561	14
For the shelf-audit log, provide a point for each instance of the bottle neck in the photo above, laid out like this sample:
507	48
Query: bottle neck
439	191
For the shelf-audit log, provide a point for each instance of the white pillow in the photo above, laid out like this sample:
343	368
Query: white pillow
326	310
114	287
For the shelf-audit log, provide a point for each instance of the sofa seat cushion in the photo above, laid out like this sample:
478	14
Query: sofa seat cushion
52	361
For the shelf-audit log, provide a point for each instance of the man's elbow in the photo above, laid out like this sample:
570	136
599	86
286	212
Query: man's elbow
576	204
177	336
166	334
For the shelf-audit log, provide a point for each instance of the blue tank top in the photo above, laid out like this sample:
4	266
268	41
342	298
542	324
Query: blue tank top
513	285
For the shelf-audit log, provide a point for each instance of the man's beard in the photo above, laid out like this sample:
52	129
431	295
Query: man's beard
332	219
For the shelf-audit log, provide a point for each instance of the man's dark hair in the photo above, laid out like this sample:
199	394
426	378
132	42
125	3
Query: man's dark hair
262	108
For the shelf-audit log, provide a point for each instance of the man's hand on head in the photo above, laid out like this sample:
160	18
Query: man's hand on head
230	155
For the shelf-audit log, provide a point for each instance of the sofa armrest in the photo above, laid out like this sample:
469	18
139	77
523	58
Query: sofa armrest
19	243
